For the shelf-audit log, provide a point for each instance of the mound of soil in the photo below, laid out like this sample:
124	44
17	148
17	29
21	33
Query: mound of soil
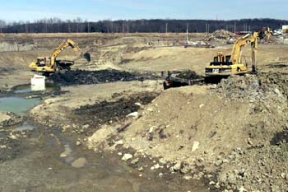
232	135
81	77
220	35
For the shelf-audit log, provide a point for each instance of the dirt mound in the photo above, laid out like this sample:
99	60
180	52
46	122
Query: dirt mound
224	134
221	35
81	77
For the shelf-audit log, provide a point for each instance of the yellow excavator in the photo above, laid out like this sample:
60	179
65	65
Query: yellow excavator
48	65
226	65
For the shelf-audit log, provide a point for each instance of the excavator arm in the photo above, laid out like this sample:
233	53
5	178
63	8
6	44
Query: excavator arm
252	39
59	49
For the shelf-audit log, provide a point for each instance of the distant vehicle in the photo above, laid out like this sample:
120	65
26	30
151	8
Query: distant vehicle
48	65
242	32
178	78
277	32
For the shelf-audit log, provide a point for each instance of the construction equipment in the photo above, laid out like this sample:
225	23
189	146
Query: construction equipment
226	65
178	78
48	65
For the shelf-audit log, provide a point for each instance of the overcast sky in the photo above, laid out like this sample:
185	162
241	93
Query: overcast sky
94	10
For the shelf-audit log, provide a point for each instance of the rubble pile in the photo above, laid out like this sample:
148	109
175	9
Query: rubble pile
81	77
252	87
266	129
220	35
188	75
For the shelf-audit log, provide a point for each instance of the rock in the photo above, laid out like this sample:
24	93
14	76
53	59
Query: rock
140	169
187	177
212	183
126	157
134	114
150	109
200	106
185	169
249	141
120	142
157	166
218	162
138	104
195	145
176	167
119	153
160	174
217	185
12	137
78	163
241	189
162	161
231	178
135	161
225	161
277	92
78	143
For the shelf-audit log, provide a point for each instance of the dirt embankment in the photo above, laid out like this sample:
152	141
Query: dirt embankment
233	135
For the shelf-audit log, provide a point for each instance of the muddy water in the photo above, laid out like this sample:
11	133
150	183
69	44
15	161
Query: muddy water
45	159
17	105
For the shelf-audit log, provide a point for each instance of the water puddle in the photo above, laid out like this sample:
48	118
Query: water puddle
17	105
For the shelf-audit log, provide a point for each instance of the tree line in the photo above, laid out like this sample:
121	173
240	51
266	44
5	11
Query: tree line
56	25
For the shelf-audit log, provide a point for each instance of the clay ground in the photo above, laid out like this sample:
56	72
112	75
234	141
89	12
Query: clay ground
232	136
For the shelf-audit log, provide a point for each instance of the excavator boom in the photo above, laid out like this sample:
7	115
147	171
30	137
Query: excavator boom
60	48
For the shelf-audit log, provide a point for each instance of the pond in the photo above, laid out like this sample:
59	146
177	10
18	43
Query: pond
17	105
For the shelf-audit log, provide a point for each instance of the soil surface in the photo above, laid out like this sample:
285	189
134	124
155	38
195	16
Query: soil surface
231	136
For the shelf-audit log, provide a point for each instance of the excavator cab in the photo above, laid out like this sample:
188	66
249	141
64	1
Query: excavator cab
41	61
221	59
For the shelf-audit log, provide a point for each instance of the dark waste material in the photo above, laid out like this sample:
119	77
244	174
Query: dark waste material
112	111
280	137
188	75
81	77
